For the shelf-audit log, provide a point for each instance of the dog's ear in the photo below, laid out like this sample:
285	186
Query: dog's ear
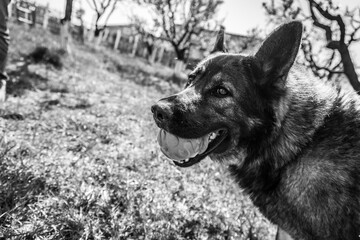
220	41
278	52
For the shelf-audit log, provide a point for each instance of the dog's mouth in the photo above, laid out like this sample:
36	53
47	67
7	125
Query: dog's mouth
198	148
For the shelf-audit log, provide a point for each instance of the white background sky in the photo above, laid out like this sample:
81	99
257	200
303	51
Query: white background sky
242	15
239	15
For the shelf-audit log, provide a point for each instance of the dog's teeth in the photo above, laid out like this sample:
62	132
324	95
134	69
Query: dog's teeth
212	136
180	161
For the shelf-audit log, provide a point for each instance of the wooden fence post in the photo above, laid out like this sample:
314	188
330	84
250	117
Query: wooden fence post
161	54
136	42
117	40
144	53
99	38
106	34
46	17
179	66
65	37
91	35
153	54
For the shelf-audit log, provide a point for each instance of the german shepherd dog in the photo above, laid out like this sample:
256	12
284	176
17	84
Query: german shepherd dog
292	141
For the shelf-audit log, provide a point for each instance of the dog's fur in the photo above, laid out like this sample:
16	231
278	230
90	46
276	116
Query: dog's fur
295	139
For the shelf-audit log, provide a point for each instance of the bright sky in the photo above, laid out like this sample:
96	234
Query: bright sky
242	15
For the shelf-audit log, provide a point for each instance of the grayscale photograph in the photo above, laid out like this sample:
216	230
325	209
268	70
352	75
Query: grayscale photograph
179	120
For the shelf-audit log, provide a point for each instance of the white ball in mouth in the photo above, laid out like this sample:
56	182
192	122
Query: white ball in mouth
179	149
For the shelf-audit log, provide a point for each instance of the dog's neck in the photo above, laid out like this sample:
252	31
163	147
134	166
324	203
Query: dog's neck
297	120
298	115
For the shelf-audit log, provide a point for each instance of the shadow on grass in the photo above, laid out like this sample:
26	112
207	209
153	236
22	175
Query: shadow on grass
12	116
83	104
48	56
21	78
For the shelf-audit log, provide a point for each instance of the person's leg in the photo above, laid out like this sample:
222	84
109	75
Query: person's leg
4	34
4	45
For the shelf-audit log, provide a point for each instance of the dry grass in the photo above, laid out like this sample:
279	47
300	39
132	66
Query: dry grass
79	158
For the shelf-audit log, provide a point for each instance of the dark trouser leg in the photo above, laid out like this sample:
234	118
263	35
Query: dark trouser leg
4	46
4	36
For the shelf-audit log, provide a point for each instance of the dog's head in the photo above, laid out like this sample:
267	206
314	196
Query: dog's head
231	96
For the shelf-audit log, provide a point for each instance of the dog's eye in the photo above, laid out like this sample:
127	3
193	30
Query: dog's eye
188	83
221	92
191	78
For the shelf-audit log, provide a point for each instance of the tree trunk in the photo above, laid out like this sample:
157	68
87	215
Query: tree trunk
180	62
97	29
349	68
68	10
180	53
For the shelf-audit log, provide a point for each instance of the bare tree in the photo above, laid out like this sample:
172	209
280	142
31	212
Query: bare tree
338	30
101	7
181	19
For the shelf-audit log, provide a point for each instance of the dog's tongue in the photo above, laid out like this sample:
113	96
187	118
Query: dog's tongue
177	148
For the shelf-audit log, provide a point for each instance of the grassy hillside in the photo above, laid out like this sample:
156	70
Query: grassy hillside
79	158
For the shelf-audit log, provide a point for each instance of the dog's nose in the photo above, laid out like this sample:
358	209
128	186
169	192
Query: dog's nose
161	114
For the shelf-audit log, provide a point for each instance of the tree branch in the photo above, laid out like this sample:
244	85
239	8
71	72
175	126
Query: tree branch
111	11
95	7
330	17
355	31
171	16
317	69
316	22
